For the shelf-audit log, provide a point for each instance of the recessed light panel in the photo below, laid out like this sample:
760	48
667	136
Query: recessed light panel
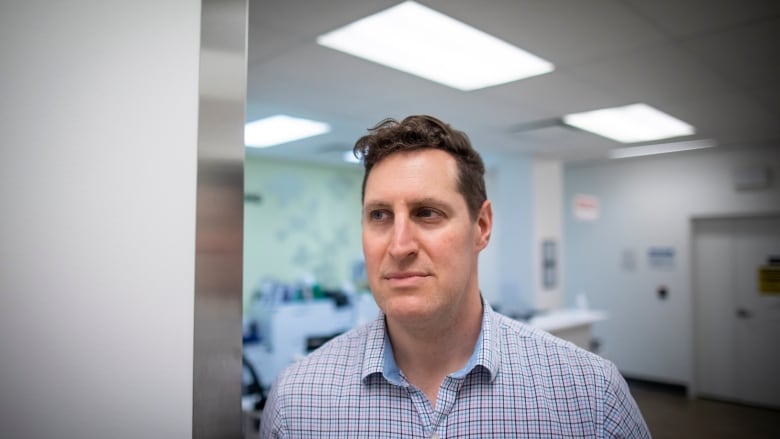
659	148
629	124
280	129
423	42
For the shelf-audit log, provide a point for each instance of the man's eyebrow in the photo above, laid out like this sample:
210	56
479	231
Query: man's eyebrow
418	202
427	201
374	204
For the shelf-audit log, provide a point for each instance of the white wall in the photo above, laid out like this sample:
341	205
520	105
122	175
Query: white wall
647	202
489	274
505	266
308	221
98	148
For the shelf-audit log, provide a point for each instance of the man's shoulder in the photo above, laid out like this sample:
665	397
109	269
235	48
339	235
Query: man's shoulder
317	382
540	349
330	363
566	380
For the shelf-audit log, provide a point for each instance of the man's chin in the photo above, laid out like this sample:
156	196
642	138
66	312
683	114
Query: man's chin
408	309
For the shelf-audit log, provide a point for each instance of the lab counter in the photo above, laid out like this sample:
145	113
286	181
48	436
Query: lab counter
574	325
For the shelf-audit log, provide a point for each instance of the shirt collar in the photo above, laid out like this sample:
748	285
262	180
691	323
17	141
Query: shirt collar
488	349
374	356
379	358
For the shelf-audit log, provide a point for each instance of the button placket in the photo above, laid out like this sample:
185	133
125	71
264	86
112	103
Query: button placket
448	392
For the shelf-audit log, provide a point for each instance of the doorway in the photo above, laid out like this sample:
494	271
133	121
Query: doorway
737	309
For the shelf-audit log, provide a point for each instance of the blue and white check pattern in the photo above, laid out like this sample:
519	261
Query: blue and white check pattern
519	383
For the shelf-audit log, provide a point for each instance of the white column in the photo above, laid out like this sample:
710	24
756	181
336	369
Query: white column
547	210
98	150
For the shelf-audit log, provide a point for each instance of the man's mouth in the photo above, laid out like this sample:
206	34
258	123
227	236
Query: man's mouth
404	274
405	278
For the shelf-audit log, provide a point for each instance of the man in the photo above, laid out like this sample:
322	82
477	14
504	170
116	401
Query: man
438	362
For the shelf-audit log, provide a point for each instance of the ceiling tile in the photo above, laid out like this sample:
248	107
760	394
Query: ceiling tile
749	54
693	17
654	74
711	63
729	118
563	32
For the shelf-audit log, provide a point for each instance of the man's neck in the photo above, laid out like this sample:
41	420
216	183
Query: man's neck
427	354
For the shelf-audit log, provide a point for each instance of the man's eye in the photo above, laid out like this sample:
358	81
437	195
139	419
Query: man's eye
377	215
427	213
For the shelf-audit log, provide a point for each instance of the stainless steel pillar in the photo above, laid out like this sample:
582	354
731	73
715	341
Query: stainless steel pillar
220	212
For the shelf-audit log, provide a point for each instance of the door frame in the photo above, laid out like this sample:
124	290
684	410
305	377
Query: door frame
693	389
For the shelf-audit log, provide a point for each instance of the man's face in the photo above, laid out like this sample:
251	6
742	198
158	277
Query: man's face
420	244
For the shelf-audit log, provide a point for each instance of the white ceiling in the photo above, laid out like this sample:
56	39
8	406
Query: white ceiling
711	63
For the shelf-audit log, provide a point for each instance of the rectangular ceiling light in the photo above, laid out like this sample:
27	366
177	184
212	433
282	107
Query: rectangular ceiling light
629	124
659	148
418	40
279	129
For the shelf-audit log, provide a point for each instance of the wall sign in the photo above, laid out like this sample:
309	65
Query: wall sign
585	207
661	258
769	278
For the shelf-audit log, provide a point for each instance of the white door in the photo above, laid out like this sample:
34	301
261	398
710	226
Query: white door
737	324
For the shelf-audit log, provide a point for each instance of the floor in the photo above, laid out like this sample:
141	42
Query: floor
670	414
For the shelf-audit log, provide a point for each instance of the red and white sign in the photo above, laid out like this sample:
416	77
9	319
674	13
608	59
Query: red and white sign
586	207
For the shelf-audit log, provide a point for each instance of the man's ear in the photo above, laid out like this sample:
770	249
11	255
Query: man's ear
484	225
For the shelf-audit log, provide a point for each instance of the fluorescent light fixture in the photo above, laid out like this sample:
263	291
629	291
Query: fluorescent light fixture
279	129
660	148
418	40
631	123
349	157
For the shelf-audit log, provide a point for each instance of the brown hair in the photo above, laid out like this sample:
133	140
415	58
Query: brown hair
419	132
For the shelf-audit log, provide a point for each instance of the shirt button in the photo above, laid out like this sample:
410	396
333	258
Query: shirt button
435	436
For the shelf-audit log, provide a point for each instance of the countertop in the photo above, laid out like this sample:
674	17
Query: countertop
561	319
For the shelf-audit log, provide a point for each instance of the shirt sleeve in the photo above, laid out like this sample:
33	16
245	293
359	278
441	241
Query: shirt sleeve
272	421
622	418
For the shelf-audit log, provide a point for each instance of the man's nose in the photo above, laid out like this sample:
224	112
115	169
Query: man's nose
403	242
